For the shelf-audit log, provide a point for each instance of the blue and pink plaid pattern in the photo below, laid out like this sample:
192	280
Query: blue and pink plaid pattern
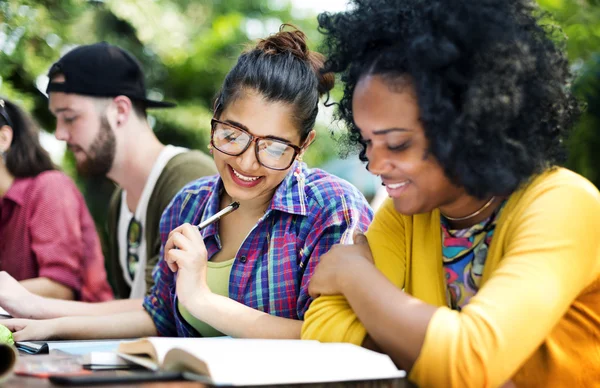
310	211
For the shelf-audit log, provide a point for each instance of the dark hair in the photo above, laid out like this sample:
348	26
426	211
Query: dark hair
492	87
25	157
138	106
282	69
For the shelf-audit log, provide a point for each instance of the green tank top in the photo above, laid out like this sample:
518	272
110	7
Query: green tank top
217	278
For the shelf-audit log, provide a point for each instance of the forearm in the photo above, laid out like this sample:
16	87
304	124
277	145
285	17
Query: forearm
395	321
124	325
237	320
48	288
54	308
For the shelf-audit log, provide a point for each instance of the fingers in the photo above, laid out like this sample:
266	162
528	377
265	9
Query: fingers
193	234
175	257
359	238
14	324
185	237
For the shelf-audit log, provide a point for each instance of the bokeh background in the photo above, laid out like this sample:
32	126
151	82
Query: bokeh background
187	47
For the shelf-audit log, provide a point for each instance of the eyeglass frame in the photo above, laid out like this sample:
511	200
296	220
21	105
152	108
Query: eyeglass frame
255	139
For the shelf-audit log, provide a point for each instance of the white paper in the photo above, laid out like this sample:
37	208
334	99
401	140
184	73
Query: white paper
263	362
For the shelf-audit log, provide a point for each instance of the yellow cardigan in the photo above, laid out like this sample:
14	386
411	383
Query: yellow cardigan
536	317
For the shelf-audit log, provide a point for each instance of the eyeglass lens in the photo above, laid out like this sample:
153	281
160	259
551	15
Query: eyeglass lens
271	153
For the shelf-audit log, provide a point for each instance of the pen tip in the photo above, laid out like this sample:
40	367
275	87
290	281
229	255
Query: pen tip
235	205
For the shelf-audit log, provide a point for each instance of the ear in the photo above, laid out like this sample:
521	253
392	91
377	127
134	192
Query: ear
309	139
6	138
124	110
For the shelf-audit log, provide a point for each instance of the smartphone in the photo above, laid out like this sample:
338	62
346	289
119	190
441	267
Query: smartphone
116	377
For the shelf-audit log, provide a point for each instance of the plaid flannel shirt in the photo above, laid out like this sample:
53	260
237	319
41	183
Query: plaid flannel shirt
311	211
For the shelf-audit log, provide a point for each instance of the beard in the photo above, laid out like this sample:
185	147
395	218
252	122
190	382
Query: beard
101	154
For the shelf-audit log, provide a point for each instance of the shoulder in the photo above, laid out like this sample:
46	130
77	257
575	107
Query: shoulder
199	188
559	186
324	189
53	178
54	183
179	171
192	161
559	198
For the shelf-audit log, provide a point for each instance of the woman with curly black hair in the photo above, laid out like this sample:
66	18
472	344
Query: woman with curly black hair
486	259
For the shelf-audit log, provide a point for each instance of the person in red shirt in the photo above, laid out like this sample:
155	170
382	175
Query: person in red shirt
48	240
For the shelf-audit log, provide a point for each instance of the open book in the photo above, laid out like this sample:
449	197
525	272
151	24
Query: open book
228	361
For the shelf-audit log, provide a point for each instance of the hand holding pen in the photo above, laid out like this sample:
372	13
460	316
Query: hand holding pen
211	220
186	255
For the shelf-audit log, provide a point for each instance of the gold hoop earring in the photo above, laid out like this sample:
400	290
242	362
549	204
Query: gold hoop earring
300	157
210	148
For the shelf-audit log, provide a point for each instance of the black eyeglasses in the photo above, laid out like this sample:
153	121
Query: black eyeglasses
134	239
272	153
4	113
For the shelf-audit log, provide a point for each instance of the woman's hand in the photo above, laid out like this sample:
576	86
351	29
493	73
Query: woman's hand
32	330
17	300
342	259
186	255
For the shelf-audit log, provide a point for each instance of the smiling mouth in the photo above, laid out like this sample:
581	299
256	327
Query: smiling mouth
244	177
394	186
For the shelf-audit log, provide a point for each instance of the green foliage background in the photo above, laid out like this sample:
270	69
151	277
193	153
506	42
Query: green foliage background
187	47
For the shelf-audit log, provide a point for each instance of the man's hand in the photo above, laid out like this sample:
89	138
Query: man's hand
329	274
186	255
32	330
17	300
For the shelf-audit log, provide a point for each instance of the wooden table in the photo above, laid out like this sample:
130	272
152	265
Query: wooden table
18	382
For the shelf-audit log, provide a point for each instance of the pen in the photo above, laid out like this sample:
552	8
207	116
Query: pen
211	220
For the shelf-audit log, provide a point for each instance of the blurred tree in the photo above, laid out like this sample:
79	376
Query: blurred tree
580	20
186	47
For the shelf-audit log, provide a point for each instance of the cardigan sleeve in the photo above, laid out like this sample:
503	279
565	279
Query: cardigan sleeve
550	254
330	318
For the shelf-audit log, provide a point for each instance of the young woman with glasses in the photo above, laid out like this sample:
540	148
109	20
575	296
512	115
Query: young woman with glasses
483	268
248	274
48	241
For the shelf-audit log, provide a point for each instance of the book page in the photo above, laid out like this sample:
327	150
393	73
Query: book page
258	362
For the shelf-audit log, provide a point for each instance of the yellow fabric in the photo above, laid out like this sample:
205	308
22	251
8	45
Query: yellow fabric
536	317
217	278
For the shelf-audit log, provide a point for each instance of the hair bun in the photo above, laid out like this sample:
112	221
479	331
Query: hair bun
294	42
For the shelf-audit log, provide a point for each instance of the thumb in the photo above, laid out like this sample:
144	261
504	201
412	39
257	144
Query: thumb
359	238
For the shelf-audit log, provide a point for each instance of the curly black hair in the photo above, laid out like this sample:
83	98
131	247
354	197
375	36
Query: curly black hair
491	79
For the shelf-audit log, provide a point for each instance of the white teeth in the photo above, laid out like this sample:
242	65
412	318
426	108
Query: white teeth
396	185
243	177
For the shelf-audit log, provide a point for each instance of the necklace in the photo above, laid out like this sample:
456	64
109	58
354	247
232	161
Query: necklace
487	204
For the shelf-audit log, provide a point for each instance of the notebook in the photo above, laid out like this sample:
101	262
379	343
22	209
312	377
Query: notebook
228	361
70	347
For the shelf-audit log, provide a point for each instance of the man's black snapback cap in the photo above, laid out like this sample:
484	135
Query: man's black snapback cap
102	70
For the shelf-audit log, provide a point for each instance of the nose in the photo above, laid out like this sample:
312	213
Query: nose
247	161
60	133
378	162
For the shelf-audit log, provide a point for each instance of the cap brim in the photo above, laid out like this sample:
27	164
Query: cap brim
158	104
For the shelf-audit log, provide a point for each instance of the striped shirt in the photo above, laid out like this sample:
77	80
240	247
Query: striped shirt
310	211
